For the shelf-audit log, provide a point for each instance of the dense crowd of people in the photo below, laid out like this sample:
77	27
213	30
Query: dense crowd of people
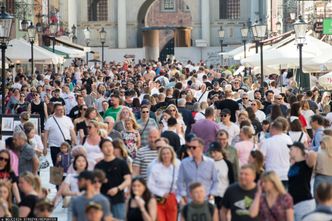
167	141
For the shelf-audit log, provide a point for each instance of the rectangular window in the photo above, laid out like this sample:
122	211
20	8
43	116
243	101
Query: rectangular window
229	9
168	5
10	6
97	10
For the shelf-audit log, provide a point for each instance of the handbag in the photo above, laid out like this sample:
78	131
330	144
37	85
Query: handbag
64	138
162	200
56	175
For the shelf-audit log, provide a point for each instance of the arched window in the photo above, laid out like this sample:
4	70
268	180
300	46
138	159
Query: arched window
97	10
229	9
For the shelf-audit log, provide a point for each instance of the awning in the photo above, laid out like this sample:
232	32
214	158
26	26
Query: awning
72	53
63	54
66	42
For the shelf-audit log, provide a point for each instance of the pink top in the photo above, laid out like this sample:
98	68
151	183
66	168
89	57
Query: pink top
243	151
14	162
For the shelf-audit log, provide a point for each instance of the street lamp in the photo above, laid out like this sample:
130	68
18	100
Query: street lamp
53	30
102	34
244	34
24	25
6	21
73	31
87	35
254	33
300	28
260	30
221	38
32	36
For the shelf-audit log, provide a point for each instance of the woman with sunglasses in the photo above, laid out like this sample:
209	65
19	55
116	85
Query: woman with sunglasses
141	204
39	107
92	140
173	110
124	113
82	127
22	105
82	109
7	175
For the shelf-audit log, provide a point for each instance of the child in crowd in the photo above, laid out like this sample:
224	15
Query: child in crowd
64	158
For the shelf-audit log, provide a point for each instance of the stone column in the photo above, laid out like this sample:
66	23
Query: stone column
122	24
72	13
151	44
182	37
205	20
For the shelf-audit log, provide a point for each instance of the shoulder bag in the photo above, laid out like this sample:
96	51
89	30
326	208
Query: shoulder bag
64	138
162	200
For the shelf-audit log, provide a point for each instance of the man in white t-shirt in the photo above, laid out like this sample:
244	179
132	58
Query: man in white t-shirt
276	152
58	129
226	124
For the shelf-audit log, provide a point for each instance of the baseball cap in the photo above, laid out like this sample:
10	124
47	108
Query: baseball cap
225	111
215	146
93	205
298	145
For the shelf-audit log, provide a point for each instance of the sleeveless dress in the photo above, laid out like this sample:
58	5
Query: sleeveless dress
39	109
134	213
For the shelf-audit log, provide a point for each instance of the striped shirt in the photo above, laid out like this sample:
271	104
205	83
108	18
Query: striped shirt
144	157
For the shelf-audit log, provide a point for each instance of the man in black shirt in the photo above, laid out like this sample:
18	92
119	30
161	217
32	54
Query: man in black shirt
228	103
216	90
56	98
75	111
118	178
239	196
269	95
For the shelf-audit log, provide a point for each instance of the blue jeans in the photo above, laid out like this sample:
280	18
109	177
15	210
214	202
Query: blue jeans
118	211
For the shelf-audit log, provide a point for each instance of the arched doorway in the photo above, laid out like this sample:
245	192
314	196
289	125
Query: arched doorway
171	20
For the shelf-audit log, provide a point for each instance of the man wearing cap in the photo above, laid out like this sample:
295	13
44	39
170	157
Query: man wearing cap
56	98
86	183
228	103
207	128
216	90
226	124
299	178
115	108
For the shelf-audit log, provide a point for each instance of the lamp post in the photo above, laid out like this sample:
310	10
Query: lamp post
300	28
32	35
102	34
221	39
260	30
6	21
87	35
244	34
53	30
254	33
73	31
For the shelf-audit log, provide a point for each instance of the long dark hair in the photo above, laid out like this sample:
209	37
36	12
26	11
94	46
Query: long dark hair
7	167
275	112
76	158
146	195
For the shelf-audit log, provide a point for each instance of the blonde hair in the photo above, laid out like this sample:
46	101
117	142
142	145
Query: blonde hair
246	130
178	115
136	126
275	180
170	148
326	144
8	186
119	115
33	180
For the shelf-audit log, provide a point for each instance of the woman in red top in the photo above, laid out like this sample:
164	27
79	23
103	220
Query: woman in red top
272	202
295	111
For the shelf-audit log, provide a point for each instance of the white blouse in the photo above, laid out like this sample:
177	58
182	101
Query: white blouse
160	178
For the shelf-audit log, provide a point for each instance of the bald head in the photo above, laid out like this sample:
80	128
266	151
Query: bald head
154	134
